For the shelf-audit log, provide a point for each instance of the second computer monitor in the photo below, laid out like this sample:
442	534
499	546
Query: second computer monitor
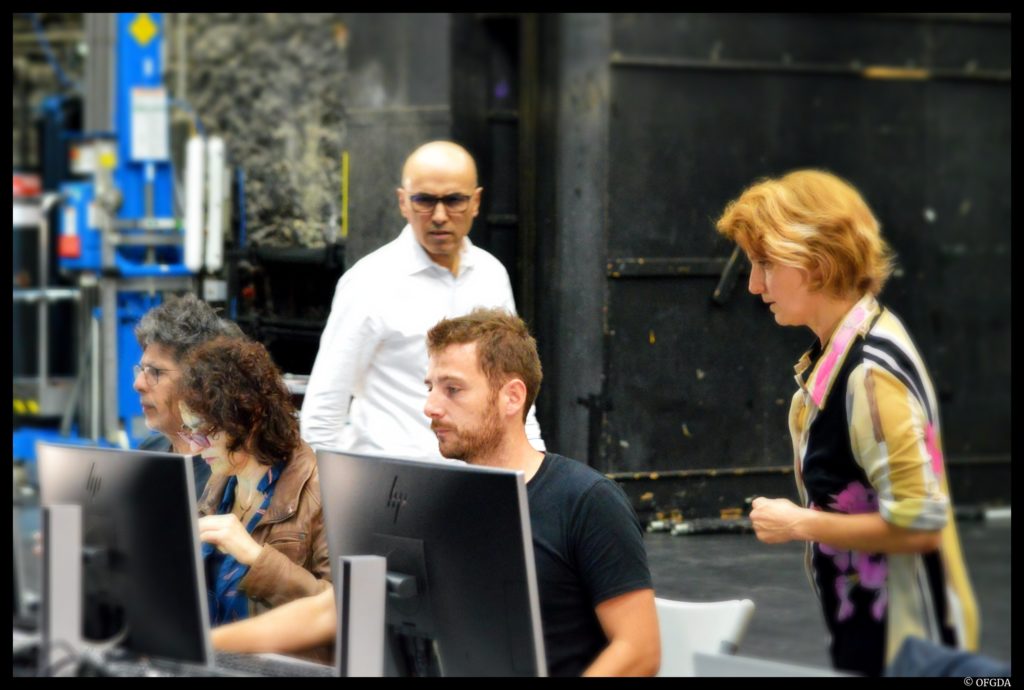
462	593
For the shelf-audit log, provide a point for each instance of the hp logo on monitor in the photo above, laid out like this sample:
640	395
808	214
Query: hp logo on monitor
396	499
92	483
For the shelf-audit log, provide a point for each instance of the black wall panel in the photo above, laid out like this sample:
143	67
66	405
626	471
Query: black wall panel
700	106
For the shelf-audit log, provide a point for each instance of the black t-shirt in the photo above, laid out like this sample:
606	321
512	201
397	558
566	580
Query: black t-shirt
588	547
200	469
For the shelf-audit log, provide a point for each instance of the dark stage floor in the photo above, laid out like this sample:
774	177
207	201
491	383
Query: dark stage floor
787	623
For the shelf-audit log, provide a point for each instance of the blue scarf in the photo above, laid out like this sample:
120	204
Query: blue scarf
223	572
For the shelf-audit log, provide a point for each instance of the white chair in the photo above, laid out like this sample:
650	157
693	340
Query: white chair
688	626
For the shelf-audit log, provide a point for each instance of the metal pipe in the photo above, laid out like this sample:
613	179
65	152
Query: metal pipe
42	325
181	82
45	205
152	240
108	201
654	475
94	378
148	211
682	474
665	266
76	390
145	224
108	306
52	35
853	69
150	169
46	295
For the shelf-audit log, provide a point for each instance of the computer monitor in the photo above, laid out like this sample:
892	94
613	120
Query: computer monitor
462	588
142	574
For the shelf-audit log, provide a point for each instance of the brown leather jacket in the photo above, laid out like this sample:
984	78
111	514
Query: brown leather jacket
294	562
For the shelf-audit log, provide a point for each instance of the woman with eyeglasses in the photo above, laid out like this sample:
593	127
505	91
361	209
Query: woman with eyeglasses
260	520
882	545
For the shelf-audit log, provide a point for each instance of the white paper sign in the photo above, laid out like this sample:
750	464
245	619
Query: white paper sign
150	128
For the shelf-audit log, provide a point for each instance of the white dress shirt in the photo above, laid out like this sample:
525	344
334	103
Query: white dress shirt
373	351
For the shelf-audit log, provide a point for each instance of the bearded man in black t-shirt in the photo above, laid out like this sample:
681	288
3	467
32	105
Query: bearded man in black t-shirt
596	596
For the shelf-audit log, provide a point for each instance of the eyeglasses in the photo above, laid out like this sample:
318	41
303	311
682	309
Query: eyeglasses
189	436
426	203
152	373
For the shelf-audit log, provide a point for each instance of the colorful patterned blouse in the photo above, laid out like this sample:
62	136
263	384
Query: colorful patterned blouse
866	438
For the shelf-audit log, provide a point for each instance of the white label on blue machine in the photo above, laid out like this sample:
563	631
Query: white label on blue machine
150	128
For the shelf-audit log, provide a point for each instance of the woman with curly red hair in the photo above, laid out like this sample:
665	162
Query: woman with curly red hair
260	520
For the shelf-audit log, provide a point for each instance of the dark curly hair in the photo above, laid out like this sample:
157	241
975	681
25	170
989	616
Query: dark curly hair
234	386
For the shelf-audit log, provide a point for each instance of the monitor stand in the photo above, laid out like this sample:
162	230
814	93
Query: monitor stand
360	593
61	619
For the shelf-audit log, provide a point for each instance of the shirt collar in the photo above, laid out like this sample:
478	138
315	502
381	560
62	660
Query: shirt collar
826	366
416	259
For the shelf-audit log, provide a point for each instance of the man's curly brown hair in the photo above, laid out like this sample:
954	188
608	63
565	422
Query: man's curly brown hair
234	386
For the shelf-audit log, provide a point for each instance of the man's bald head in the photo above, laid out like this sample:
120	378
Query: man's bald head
440	198
440	156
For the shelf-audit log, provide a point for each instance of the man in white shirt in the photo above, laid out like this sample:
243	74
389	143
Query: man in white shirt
365	393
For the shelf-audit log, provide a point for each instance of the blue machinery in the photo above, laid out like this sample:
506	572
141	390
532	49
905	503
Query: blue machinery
119	235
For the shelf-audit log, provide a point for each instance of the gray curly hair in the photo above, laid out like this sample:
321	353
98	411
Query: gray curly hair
182	323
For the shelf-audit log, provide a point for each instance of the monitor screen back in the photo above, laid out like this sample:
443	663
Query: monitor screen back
142	574
463	534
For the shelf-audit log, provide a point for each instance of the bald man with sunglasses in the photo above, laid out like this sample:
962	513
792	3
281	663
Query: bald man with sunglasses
365	392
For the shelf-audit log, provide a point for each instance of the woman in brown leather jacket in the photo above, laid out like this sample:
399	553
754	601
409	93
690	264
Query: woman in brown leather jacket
261	523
